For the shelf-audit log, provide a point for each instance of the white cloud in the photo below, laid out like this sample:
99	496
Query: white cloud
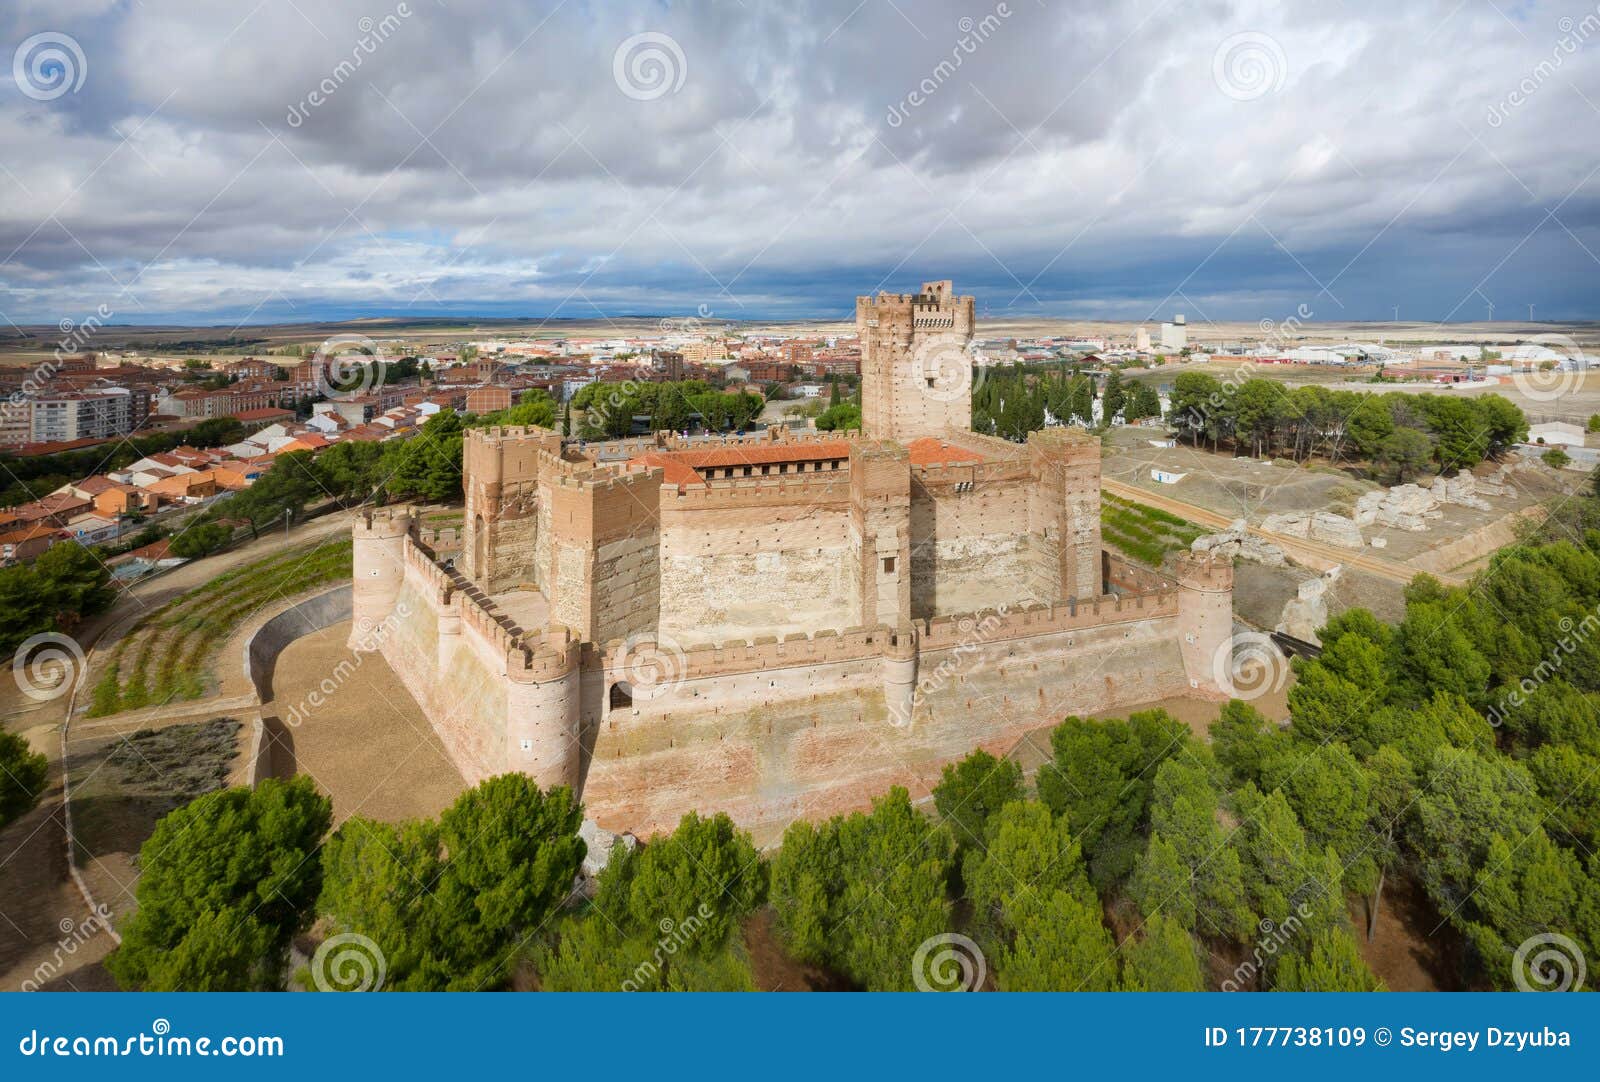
1081	160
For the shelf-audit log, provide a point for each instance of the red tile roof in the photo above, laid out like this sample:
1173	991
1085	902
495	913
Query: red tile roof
932	451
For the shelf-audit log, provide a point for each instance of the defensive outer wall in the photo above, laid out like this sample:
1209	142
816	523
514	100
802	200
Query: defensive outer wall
768	729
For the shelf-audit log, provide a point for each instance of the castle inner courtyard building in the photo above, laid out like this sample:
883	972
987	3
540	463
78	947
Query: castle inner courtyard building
781	625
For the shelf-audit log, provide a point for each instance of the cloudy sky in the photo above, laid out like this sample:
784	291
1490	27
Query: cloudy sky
270	160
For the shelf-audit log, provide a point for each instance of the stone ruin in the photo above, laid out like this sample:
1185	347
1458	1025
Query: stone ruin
1237	542
1323	526
1308	610
1412	507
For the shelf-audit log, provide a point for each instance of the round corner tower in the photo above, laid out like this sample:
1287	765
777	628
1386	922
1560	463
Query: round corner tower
379	568
1205	619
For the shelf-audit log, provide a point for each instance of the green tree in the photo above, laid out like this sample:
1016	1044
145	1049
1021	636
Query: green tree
1191	870
971	791
239	856
861	893
200	540
1163	959
449	904
1028	853
75	581
1099	779
1333	964
1060	946
282	492
1113	398
22	776
1403	453
428	465
1466	800
706	870
841	418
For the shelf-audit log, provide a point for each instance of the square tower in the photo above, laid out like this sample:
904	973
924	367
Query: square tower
916	370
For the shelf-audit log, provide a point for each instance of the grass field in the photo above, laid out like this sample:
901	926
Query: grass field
1144	533
166	655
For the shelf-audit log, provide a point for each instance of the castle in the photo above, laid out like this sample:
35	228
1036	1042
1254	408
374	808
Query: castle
780	625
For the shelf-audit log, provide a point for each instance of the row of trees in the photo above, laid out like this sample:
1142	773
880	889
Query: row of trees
1399	432
1016	401
609	408
227	880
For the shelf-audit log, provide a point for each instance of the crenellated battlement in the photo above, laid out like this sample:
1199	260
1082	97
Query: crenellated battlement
864	605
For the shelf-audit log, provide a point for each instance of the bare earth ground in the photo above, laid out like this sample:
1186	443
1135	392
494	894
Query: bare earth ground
39	906
368	746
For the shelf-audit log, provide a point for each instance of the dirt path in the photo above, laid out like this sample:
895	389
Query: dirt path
40	908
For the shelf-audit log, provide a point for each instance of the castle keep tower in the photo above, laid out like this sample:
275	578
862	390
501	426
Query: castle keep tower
916	374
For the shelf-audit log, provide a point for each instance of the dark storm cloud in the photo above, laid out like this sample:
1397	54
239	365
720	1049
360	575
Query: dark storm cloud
282	160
